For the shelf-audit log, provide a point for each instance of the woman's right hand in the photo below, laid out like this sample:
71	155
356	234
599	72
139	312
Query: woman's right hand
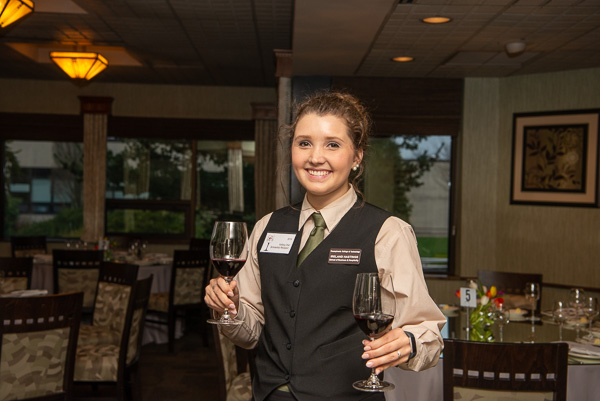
220	295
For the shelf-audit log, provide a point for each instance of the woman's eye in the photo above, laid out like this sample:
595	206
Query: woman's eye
333	145
303	144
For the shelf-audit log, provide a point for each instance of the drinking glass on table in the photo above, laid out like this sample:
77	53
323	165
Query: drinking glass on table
576	301
501	316
228	250
532	295
560	314
590	310
374	307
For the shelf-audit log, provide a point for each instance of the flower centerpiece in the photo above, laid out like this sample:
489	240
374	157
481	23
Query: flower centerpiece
482	317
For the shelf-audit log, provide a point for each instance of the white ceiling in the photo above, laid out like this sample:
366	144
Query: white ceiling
231	42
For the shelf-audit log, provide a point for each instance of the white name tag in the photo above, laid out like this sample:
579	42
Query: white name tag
278	243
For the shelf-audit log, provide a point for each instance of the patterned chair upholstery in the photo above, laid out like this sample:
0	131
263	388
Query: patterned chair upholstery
77	270
234	363
25	247
38	345
115	285
15	274
507	371
117	364
188	279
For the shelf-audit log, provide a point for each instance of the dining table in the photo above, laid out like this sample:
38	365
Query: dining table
156	264
583	377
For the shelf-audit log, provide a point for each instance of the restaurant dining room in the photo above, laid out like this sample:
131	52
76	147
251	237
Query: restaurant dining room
146	144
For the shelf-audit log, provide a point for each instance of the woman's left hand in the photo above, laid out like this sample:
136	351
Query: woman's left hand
391	349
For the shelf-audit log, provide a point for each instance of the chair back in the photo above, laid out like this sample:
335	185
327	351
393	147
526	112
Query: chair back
199	244
115	288
38	344
188	277
234	365
134	332
517	367
513	285
15	274
28	246
77	270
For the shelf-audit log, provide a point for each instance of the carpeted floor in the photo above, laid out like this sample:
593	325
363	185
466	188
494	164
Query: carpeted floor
189	374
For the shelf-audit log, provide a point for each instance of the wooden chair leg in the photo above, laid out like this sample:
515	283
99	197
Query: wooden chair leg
171	329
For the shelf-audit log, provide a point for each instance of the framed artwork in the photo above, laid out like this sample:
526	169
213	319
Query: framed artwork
555	158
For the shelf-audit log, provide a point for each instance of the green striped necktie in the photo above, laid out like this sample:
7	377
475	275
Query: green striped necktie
315	238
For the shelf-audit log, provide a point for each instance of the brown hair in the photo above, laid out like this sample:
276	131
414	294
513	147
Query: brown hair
348	108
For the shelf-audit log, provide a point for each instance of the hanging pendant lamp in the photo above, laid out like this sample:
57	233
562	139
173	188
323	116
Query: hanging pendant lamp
80	66
13	10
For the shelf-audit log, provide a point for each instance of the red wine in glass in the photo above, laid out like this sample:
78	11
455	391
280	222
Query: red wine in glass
228	250
374	307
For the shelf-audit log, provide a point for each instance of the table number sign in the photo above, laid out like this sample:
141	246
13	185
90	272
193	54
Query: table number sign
468	297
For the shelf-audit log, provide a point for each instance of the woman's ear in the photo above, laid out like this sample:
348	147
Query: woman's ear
358	157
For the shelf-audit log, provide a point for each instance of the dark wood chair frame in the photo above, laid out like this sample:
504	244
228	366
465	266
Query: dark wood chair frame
17	267
519	367
511	283
27	243
199	244
31	314
183	259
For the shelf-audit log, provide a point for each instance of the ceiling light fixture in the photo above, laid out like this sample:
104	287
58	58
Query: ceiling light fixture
436	20
12	10
403	59
514	48
81	66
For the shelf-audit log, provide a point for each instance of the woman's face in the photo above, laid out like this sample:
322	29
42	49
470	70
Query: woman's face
322	156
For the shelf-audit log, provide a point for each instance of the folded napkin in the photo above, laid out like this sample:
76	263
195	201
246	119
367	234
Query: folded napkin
583	349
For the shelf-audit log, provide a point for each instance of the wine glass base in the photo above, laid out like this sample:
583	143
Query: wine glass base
228	322
365	385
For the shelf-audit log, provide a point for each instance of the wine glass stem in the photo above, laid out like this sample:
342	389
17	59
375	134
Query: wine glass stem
373	379
226	316
560	332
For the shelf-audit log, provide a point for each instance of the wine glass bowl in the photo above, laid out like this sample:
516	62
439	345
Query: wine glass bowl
560	314
228	250
590	310
374	307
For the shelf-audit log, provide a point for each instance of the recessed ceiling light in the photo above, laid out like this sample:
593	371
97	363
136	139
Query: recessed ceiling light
403	59
436	20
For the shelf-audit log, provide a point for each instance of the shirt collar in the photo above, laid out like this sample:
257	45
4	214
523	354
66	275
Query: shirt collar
332	213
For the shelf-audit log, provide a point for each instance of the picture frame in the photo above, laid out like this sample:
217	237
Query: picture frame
555	158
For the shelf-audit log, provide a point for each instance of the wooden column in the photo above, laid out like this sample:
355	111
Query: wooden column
95	112
284	103
265	166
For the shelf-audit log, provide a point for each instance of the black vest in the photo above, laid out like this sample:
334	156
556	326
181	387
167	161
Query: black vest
310	338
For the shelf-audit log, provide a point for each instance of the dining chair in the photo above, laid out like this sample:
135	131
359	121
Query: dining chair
116	366
115	287
235	367
186	292
15	274
513	285
38	337
199	244
28	246
77	270
474	370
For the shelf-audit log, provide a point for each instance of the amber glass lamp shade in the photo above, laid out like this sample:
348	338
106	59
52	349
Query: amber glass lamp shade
80	65
13	10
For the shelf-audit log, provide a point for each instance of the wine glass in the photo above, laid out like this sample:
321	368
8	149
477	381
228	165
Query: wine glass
590	310
532	295
228	250
502	318
560	313
374	307
576	301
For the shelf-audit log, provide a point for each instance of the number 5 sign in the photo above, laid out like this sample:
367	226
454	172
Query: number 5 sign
468	297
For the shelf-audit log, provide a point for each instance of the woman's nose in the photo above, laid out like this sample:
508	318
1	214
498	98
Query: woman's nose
316	156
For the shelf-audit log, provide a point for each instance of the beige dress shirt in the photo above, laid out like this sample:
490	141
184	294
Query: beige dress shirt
395	252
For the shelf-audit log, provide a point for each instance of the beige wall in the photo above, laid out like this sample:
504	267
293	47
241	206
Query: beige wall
562	243
134	100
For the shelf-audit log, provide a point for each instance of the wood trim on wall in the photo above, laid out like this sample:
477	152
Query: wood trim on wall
40	127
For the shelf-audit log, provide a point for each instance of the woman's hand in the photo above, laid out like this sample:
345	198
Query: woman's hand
220	295
383	352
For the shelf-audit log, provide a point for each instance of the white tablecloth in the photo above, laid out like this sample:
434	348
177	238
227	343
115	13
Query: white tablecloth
583	384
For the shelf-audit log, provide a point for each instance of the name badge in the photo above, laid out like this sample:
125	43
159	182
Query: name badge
278	243
341	256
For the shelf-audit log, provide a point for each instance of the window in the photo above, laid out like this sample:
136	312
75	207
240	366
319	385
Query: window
410	176
43	188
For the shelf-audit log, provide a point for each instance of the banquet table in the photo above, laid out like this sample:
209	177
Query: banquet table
42	279
583	380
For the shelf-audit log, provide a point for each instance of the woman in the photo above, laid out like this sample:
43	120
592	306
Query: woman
298	309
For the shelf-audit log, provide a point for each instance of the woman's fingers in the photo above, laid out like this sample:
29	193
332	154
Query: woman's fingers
220	295
392	349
